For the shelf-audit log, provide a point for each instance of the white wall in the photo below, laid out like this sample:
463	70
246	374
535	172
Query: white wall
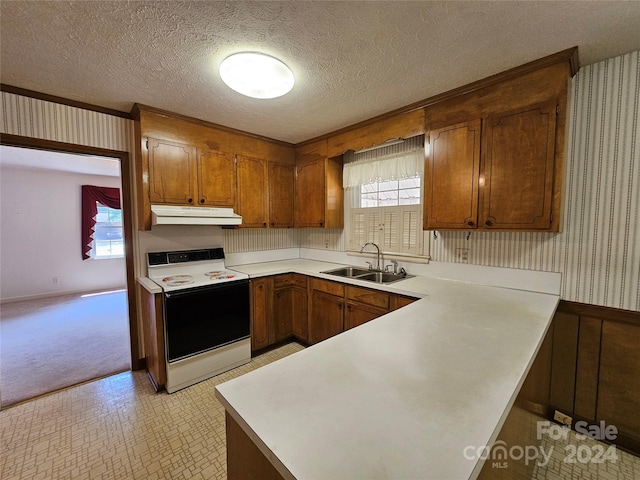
40	235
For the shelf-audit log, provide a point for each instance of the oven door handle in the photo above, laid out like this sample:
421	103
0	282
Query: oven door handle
206	288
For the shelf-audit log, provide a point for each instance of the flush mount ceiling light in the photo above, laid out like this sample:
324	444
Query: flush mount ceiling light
256	75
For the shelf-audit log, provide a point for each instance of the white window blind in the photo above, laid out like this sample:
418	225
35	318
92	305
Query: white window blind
383	205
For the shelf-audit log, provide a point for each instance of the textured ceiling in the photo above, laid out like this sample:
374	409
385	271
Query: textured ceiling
352	60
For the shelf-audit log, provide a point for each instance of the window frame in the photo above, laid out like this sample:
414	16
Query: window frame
106	225
370	223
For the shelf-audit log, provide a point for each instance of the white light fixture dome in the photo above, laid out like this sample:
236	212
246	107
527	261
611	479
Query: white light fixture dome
256	75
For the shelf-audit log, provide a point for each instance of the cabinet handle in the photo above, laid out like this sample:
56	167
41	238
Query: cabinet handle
470	224
340	306
202	200
321	223
273	224
190	200
488	223
264	224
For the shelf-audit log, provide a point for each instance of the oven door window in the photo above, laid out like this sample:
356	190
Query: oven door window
201	319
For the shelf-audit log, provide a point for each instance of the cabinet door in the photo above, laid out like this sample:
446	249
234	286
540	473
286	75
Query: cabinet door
451	177
310	194
518	168
299	299
281	195
326	316
283	313
216	178
262	334
357	314
252	191
399	301
619	379
172	172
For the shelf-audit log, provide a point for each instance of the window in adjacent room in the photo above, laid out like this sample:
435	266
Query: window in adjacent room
383	198
107	234
101	223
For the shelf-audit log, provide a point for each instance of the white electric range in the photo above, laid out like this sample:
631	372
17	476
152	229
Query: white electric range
206	314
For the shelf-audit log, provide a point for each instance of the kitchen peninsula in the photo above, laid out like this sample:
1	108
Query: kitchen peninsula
401	396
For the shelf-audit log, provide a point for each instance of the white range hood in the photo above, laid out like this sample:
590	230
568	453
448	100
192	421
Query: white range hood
178	215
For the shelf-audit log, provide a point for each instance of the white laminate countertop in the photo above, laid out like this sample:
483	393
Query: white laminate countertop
401	396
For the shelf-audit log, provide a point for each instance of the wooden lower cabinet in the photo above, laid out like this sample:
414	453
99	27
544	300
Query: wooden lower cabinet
312	309
262	331
278	309
153	334
358	313
363	305
595	368
326	316
399	301
300	311
283	313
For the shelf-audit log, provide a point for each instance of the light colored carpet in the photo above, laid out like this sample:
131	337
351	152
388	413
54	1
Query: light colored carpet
52	343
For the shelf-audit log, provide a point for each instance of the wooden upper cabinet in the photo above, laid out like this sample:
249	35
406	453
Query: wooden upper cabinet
498	173
281	195
172	172
216	178
517	169
310	194
451	177
252	191
319	194
185	175
265	193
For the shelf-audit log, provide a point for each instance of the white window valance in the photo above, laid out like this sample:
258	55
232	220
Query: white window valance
390	167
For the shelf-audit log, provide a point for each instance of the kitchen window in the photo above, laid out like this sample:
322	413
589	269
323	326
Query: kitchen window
383	193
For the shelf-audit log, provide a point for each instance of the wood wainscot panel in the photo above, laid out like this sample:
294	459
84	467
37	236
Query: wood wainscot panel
618	401
587	367
563	364
596	356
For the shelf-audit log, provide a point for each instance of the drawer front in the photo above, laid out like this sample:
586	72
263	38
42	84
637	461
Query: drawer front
374	298
300	280
331	288
283	280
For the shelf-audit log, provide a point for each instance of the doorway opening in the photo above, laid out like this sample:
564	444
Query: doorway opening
65	319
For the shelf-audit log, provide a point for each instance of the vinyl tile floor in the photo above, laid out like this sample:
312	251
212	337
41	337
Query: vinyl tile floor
119	428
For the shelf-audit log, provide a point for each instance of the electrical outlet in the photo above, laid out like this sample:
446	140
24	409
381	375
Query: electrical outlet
562	418
462	255
56	279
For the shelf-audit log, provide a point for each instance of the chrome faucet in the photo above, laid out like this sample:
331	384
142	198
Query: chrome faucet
377	248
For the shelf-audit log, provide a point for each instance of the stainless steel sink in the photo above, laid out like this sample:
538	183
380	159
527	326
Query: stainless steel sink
383	277
347	271
367	275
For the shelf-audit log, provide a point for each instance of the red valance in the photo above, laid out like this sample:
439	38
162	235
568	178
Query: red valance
107	196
